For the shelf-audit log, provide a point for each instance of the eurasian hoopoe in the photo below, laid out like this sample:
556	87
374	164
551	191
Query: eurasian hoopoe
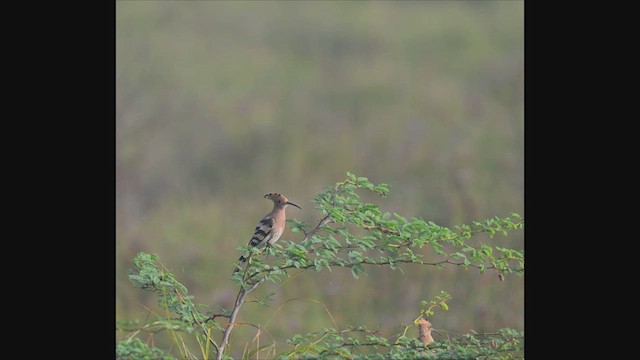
424	332
271	227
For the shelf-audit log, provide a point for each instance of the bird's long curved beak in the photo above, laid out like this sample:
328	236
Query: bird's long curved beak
290	203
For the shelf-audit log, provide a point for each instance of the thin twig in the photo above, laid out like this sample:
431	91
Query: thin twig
214	316
242	295
325	220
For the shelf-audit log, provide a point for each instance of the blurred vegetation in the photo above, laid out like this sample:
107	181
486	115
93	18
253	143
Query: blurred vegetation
218	103
352	235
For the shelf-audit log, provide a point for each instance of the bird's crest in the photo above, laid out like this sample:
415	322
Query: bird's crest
276	196
280	200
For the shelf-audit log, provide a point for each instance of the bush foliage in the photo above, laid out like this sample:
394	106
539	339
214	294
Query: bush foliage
349	234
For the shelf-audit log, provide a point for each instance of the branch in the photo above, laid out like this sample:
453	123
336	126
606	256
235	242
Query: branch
325	220
381	263
214	316
240	299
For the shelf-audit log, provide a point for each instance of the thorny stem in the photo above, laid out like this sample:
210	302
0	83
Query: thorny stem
214	316
240	299
381	263
325	220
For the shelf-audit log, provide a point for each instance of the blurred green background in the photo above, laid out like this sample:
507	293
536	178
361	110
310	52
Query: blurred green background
220	102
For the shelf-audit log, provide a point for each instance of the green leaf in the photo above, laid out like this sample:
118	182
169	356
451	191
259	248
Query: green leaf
400	218
336	215
382	189
357	270
136	278
362	181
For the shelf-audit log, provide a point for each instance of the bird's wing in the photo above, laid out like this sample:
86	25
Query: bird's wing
263	232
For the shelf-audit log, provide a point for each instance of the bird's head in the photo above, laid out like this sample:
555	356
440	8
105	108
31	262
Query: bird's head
280	200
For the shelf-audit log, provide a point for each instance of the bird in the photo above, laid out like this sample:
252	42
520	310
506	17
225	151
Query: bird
424	332
271	227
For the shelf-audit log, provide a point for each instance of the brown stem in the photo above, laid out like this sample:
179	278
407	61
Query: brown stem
325	220
242	295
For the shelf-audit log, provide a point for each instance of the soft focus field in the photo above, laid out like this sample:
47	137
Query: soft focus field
219	103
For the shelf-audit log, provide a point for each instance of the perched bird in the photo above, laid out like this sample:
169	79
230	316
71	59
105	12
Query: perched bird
424	332
271	227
